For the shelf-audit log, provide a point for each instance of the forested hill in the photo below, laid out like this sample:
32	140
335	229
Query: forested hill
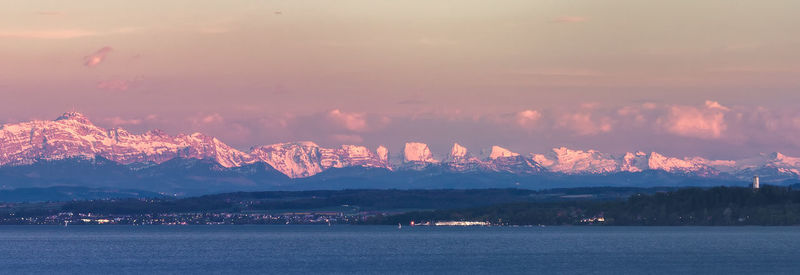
769	205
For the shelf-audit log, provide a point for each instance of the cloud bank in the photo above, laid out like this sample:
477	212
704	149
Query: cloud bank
710	129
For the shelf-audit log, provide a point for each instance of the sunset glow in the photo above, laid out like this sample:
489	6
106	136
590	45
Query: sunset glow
679	77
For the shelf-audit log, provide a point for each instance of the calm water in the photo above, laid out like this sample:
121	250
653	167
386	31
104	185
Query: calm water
385	249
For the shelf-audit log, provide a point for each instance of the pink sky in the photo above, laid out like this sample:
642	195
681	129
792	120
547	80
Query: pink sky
711	78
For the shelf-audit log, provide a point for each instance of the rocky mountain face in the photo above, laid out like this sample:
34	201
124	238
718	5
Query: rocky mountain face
72	135
500	160
593	162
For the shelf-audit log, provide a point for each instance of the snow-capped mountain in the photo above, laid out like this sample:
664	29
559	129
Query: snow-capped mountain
500	160
500	152
383	155
576	161
461	160
640	161
774	166
295	159
593	162
458	153
418	152
417	156
72	135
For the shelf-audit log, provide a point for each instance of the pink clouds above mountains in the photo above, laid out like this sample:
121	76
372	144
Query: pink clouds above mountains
528	118
208	119
680	129
707	122
585	123
118	121
97	57
350	121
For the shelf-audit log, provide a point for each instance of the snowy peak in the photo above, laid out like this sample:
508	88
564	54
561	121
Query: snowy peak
640	161
305	159
635	162
499	160
458	151
200	146
500	152
383	155
294	159
570	161
503	160
74	116
350	155
576	161
782	159
73	135
768	165
658	161
156	133
418	152
461	160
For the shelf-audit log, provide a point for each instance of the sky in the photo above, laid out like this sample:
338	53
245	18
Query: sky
716	78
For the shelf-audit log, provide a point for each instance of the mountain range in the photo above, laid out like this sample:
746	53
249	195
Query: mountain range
155	156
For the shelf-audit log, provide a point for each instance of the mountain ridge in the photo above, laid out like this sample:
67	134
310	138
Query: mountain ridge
73	135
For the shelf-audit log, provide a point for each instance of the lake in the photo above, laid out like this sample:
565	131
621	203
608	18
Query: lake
387	249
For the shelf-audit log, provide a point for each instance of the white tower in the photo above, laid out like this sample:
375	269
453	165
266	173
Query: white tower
755	182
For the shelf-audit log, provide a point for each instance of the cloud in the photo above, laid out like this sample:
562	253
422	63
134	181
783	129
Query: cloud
97	57
118	121
649	106
211	118
528	118
708	129
705	123
715	105
351	121
351	139
204	120
280	121
639	114
570	19
585	123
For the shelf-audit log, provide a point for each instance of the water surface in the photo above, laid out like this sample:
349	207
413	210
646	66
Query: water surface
387	249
